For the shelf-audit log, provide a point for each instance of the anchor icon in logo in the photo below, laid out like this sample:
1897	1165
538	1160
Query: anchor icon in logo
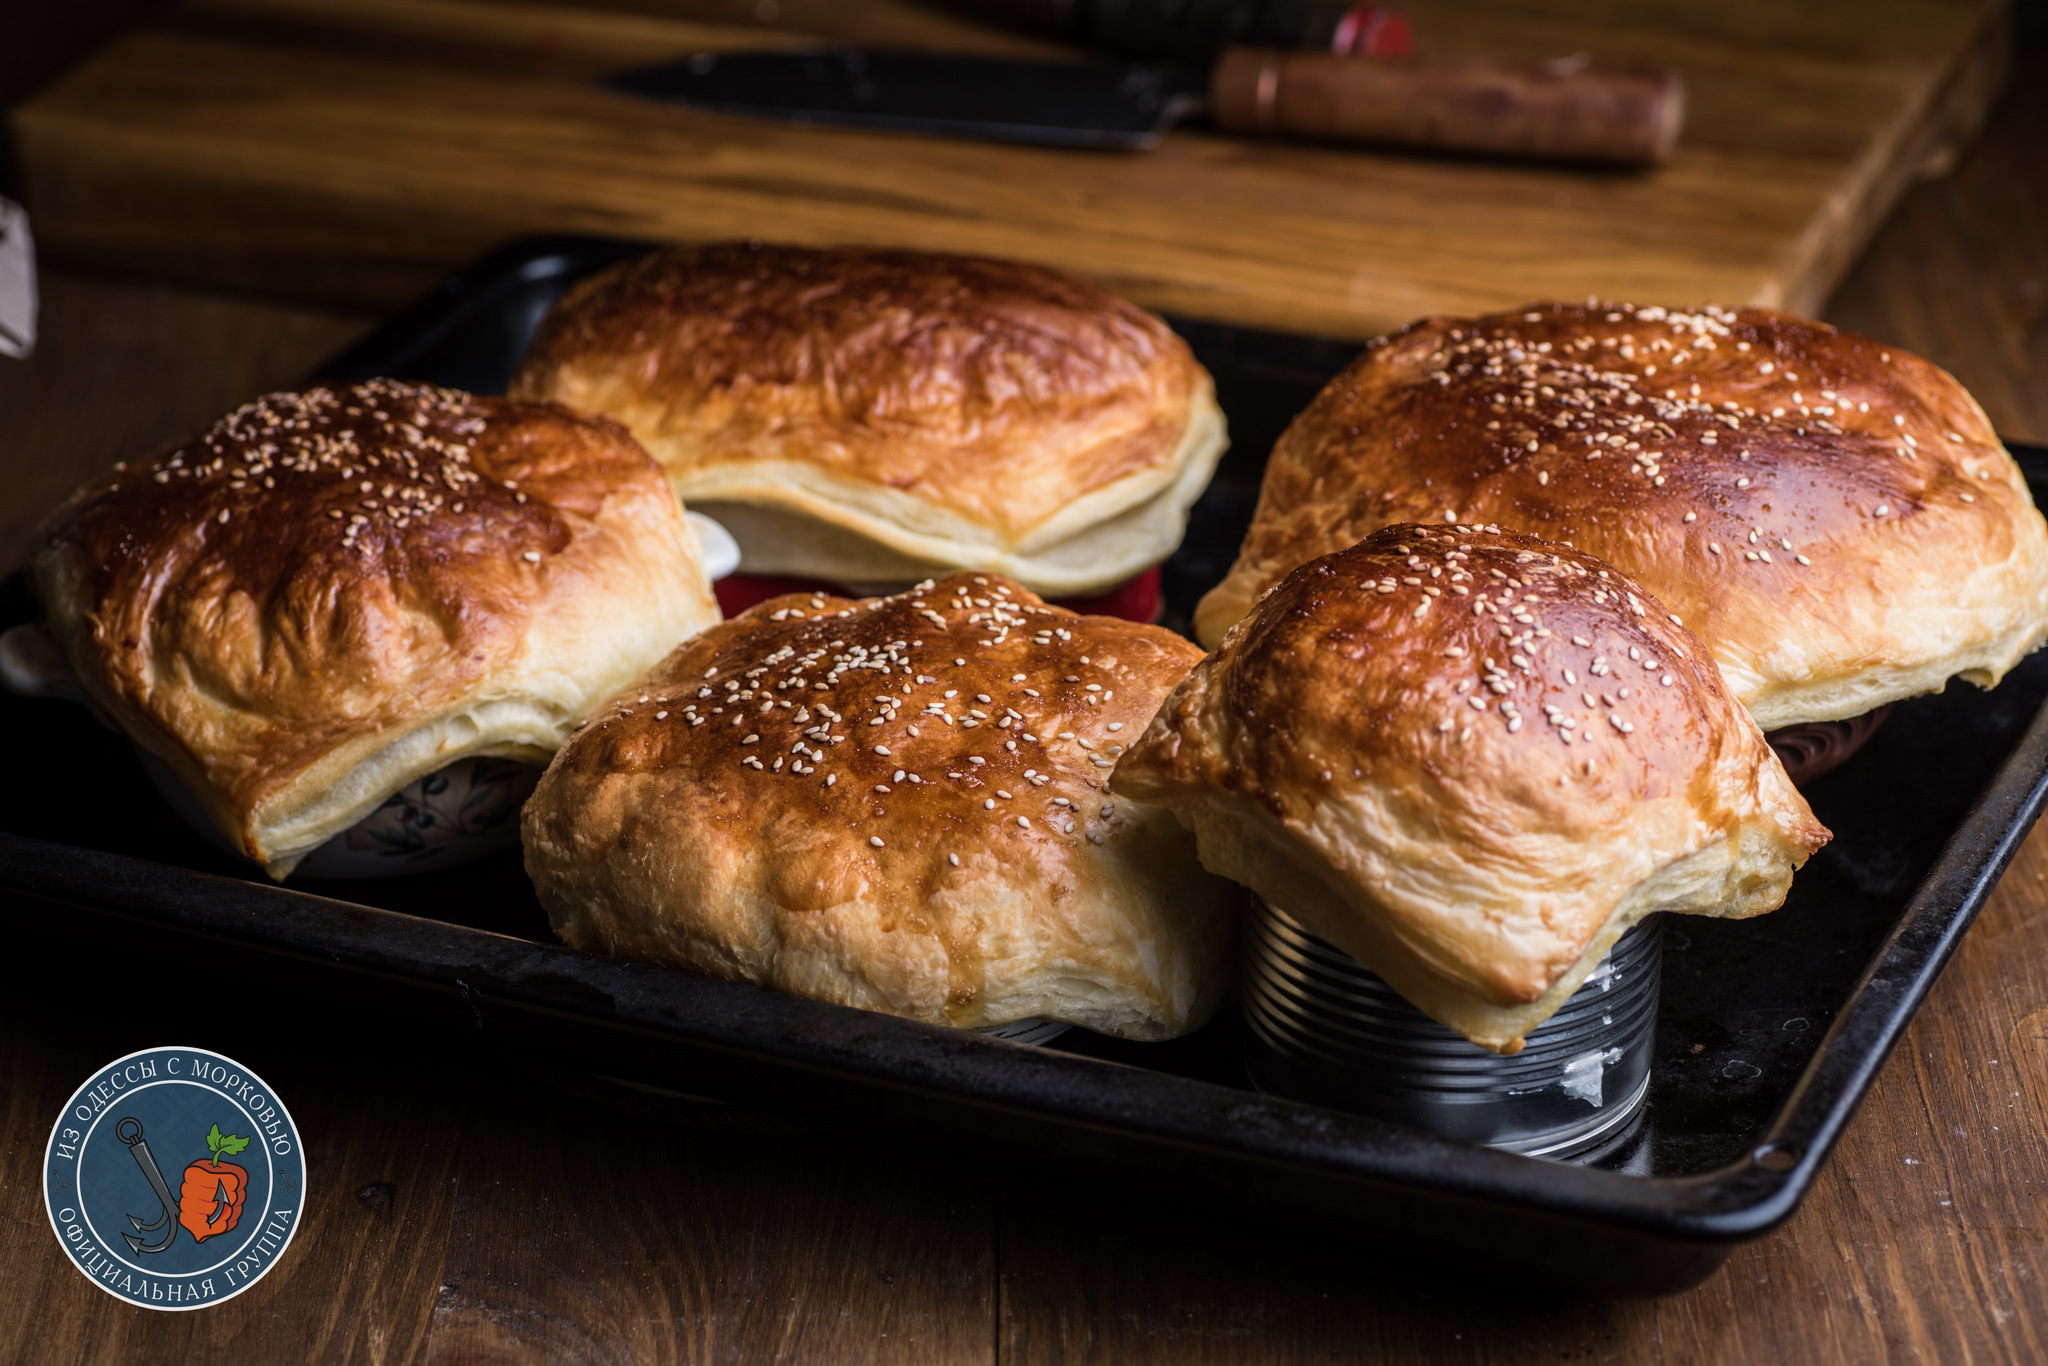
167	1221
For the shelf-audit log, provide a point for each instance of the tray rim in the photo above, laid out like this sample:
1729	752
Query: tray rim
1709	1210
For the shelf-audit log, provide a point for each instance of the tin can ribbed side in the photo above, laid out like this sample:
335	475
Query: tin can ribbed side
1325	1028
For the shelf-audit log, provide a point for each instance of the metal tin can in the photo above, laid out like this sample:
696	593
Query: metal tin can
1325	1029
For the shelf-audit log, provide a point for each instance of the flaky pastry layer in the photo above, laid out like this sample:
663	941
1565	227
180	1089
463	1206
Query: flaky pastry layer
335	592
1472	759
899	804
943	410
1834	517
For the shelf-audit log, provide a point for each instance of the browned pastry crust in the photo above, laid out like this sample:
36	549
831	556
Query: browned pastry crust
1835	518
900	804
938	411
1471	759
334	592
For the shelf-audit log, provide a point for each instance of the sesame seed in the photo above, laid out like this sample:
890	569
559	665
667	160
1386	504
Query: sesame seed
875	840
953	859
531	557
881	749
1024	821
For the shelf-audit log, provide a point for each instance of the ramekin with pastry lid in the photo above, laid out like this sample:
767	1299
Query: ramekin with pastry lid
900	804
347	625
861	419
1465	764
1833	517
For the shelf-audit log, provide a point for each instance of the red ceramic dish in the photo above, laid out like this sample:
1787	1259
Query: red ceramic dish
1135	599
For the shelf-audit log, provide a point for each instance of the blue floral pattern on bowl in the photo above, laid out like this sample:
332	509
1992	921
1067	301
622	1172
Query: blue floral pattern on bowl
475	800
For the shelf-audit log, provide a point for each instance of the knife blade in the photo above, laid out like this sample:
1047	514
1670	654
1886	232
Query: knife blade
1568	110
1111	105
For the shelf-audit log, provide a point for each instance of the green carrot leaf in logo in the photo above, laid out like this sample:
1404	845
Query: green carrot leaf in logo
223	1145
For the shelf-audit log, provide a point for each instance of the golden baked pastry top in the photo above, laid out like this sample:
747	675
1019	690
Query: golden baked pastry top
1471	759
902	804
948	409
1834	517
380	574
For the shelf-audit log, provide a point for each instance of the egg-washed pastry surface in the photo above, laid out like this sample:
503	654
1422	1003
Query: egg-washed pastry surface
1472	759
873	416
900	804
1834	517
334	592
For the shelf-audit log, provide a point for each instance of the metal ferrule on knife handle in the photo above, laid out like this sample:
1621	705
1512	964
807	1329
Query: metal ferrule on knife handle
1552	110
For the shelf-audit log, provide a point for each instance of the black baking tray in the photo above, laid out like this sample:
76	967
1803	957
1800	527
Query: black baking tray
1770	1031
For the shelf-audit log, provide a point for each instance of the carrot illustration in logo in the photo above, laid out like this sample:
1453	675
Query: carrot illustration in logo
210	1201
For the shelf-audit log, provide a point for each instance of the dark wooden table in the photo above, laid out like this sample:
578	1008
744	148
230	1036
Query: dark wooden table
464	1212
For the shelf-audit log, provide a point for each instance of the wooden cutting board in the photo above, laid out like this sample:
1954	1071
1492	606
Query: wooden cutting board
356	150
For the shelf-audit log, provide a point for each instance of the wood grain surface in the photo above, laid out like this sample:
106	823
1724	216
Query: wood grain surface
357	149
462	1212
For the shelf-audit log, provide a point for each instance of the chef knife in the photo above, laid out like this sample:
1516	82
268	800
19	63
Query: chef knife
1566	110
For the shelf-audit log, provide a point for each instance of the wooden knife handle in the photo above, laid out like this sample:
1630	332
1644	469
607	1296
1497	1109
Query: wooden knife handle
1552	110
